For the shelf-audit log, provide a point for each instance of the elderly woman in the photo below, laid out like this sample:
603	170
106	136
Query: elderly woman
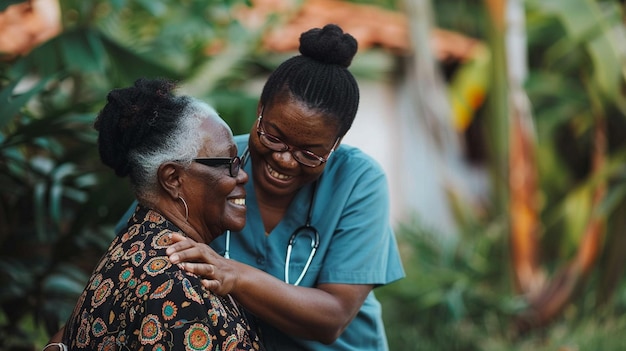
183	166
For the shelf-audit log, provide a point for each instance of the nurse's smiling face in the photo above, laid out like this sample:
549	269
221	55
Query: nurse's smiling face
277	173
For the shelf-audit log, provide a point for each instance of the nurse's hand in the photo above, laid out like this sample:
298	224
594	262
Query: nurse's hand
217	273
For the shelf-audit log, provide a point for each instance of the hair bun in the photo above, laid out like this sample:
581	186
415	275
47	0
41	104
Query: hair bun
329	45
126	122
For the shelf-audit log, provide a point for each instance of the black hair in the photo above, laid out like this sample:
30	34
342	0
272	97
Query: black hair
144	125
319	77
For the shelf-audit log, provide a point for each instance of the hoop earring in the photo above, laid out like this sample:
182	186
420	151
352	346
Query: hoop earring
186	208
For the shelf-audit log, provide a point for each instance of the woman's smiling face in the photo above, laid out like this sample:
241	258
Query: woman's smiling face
215	198
277	174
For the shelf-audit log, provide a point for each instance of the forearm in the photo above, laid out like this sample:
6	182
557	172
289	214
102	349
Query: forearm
320	313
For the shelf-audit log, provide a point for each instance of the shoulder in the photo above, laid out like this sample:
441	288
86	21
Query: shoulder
241	141
353	175
350	161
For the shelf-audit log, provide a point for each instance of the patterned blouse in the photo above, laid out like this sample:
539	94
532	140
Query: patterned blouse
137	300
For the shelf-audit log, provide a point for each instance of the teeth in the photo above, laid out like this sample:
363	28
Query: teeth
275	174
240	202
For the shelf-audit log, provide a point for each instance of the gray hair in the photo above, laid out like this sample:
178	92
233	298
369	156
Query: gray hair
182	145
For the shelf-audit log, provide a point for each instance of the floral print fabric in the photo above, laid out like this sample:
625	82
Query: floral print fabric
137	300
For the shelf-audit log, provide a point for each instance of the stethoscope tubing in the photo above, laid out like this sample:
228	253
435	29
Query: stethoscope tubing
312	233
307	229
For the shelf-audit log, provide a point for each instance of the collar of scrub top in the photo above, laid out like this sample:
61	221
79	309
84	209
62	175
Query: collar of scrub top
307	229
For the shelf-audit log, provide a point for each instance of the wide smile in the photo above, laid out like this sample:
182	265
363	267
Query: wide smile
239	201
274	173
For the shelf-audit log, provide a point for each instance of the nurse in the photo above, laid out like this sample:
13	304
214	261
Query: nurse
312	286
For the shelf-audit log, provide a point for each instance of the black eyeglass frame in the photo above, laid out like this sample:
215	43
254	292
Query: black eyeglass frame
234	163
292	149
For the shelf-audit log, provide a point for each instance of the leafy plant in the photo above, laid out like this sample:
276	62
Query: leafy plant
457	297
554	222
57	203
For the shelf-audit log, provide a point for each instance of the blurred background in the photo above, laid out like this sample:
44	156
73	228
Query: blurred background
501	126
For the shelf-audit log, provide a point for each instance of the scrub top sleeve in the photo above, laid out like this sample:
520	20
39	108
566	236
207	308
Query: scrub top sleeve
122	223
363	248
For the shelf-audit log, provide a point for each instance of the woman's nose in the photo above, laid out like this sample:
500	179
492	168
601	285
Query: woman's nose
242	176
285	159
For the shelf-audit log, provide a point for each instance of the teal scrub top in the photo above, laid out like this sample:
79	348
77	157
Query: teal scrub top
350	211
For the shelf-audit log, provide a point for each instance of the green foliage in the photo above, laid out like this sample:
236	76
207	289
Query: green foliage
6	3
48	175
457	296
575	80
451	290
466	16
58	204
597	28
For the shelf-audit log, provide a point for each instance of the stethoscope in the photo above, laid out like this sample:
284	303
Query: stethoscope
306	230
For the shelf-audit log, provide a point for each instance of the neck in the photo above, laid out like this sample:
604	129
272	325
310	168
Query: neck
176	215
272	209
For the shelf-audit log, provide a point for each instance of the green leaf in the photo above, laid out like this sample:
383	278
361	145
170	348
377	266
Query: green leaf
6	3
128	65
117	4
11	104
595	27
82	50
58	284
76	50
39	202
41	131
17	278
59	174
153	7
46	58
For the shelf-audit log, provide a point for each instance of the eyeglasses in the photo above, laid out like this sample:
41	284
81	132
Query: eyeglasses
304	157
234	164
